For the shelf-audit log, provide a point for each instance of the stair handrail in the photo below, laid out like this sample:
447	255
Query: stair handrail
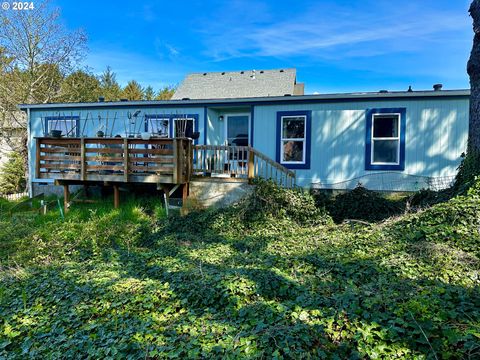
251	155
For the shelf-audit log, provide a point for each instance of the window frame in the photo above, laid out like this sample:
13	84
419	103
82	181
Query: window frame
176	118
149	120
226	115
171	119
370	139
73	118
305	163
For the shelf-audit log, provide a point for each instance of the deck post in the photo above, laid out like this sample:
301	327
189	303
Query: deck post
116	196
175	160
184	193
125	160
189	160
82	160
251	168
66	197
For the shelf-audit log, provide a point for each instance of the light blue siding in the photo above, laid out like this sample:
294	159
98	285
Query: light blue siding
91	126
435	137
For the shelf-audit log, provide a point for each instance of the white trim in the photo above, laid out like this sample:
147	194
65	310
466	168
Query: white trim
225	130
396	138
72	132
303	140
159	118
174	119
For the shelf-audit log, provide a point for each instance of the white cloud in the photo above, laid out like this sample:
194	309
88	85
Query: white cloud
320	33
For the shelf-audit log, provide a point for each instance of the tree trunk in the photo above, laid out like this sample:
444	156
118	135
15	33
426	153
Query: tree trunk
473	69
469	169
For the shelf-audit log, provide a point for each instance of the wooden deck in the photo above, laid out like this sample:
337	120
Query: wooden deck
123	160
169	163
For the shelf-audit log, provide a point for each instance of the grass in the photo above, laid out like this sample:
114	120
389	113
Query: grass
253	281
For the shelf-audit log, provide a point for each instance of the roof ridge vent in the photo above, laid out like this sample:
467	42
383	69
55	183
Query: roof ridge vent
437	87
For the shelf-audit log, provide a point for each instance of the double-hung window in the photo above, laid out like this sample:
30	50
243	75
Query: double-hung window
68	125
293	139
385	139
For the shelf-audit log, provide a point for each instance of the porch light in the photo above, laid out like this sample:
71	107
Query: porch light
220	118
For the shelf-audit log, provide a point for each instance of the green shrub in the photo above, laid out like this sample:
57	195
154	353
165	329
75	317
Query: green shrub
426	198
467	172
268	206
360	204
12	175
269	199
456	222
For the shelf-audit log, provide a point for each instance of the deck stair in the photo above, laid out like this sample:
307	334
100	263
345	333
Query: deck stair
239	162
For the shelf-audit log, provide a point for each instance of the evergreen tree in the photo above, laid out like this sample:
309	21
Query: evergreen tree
149	93
80	86
109	87
12	175
165	93
133	91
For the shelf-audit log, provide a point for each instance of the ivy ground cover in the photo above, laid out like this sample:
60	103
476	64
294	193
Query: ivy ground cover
130	283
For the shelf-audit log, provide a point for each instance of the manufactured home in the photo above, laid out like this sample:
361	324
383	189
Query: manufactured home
260	124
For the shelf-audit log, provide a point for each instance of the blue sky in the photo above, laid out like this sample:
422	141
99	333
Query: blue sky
336	46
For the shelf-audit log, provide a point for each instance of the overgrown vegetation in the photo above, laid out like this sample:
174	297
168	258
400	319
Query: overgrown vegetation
257	280
468	170
12	175
360	204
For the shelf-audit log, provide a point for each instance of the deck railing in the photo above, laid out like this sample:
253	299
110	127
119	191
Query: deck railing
114	159
169	161
240	162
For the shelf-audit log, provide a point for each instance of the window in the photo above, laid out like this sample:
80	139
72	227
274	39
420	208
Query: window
183	127
170	125
385	139
293	139
237	130
68	125
158	126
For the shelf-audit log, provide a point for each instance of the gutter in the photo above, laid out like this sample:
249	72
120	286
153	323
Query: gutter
270	100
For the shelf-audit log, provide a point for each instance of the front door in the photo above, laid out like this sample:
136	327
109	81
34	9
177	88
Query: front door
236	129
236	134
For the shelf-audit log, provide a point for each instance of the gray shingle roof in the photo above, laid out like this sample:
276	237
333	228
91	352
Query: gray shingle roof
237	84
